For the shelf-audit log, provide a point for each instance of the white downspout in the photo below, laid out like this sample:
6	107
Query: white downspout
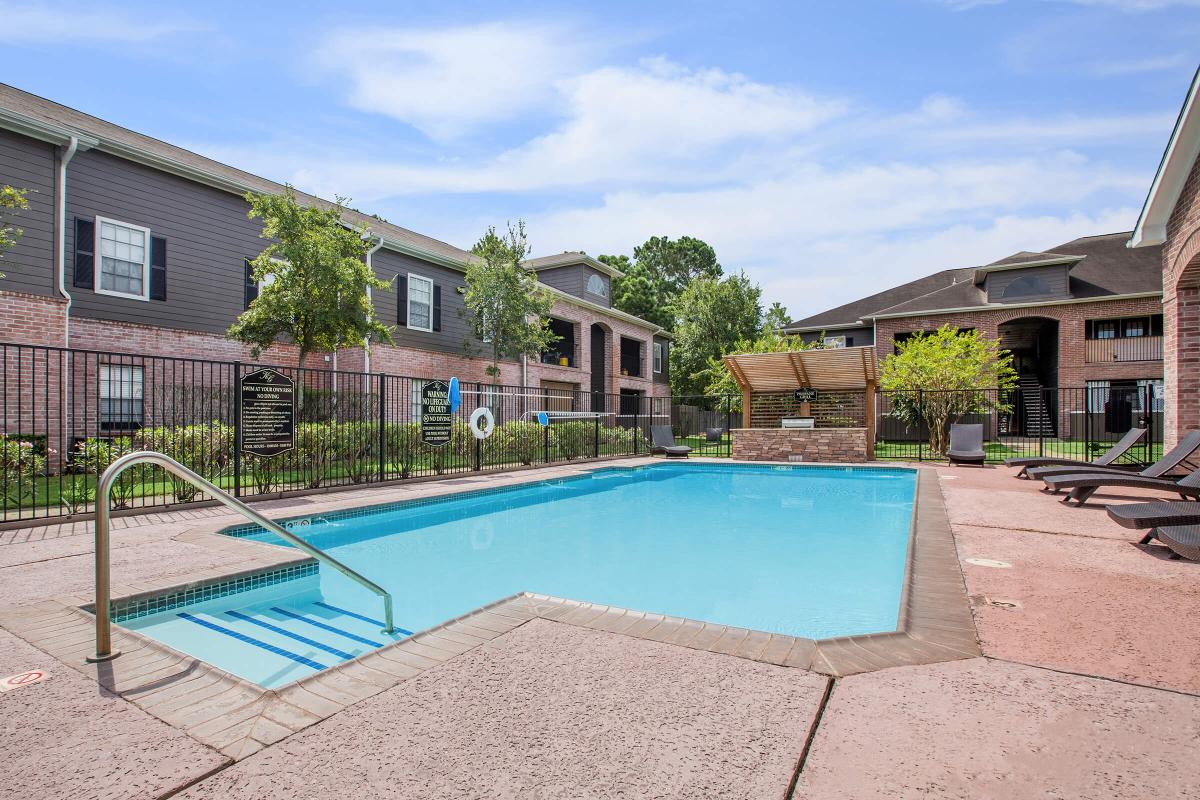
367	339
61	244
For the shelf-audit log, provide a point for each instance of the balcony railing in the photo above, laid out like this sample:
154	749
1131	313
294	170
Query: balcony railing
1136	348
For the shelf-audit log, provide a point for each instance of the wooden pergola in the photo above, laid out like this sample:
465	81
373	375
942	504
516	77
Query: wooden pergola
833	369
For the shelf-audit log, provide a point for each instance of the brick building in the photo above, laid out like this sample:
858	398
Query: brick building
1085	314
134	245
1170	222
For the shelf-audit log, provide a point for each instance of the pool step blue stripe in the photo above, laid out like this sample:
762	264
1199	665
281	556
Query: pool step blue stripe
284	632
241	637
324	627
346	613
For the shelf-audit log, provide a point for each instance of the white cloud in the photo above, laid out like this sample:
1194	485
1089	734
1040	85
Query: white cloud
447	81
29	23
1139	65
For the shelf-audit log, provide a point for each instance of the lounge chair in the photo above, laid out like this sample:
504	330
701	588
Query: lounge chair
1157	514
1084	485
966	445
1108	458
663	441
1177	455
1183	540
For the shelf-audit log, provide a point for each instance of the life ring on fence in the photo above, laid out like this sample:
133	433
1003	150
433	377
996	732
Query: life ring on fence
483	414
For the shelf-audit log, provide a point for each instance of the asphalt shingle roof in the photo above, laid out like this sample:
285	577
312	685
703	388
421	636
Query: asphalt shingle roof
1105	267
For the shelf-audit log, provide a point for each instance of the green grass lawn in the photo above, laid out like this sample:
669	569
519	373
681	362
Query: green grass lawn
998	451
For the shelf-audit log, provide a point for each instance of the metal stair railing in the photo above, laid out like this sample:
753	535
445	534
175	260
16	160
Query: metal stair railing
104	651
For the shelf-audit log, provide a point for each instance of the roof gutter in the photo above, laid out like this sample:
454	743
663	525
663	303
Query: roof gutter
1003	306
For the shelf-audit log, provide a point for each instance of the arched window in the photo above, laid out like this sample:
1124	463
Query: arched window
1027	286
596	286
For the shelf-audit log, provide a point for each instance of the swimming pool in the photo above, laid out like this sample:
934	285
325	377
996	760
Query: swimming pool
806	551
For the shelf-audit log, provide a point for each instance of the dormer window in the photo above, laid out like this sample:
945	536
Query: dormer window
597	286
1027	286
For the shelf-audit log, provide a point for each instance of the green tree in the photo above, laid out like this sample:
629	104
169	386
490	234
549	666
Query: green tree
718	379
317	294
939	377
677	263
639	292
776	317
713	315
658	274
11	200
508	311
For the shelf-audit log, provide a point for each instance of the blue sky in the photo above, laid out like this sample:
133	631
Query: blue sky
828	149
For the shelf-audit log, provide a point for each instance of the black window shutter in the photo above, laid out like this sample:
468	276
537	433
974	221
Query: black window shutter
401	300
158	268
437	307
85	259
251	288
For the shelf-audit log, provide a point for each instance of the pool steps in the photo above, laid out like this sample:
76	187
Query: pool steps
314	635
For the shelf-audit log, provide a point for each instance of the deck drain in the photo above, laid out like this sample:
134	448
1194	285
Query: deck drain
989	562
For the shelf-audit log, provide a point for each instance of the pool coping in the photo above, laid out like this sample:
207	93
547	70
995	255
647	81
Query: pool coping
238	717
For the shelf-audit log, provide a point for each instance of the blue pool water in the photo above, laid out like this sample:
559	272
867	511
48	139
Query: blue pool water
806	551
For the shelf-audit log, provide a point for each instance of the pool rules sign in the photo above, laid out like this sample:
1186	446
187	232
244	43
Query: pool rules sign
435	413
268	420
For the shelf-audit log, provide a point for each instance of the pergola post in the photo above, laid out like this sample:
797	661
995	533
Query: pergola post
746	407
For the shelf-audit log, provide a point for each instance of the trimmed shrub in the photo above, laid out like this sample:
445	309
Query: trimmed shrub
20	465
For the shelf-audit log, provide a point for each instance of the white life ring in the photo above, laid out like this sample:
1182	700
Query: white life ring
489	422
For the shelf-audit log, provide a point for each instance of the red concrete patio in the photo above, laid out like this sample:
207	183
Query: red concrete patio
1088	687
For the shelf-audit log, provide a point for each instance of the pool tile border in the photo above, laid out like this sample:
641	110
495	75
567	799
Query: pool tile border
238	718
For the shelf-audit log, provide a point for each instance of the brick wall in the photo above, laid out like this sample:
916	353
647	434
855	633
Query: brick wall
1181	310
1073	370
830	409
839	445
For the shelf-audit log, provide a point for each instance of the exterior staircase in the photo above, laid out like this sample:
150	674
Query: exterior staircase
1036	419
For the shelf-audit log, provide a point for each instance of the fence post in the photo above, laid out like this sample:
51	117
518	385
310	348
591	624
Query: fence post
478	454
636	409
921	439
546	442
382	429
596	439
237	429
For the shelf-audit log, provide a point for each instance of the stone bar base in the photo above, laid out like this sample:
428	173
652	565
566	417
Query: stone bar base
819	444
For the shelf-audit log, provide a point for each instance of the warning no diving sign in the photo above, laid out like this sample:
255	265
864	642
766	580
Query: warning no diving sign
22	679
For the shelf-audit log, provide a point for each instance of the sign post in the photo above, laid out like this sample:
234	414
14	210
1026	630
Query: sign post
268	413
805	397
435	414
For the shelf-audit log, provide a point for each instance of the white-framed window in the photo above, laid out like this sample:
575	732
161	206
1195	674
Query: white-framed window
1134	328
121	393
1106	330
420	303
414	410
1151	389
1097	395
834	341
597	286
658	357
123	259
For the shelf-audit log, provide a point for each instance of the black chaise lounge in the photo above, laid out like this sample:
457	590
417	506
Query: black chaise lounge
663	441
966	445
1084	485
1110	456
1176	456
1175	524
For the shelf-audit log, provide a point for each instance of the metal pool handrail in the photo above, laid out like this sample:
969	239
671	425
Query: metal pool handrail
104	651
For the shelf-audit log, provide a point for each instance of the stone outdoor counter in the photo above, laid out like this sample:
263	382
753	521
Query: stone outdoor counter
800	444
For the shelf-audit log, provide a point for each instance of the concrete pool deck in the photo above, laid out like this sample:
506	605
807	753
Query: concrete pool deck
1088	686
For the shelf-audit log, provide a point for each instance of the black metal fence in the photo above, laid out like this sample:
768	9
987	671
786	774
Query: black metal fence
703	423
67	414
1071	422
